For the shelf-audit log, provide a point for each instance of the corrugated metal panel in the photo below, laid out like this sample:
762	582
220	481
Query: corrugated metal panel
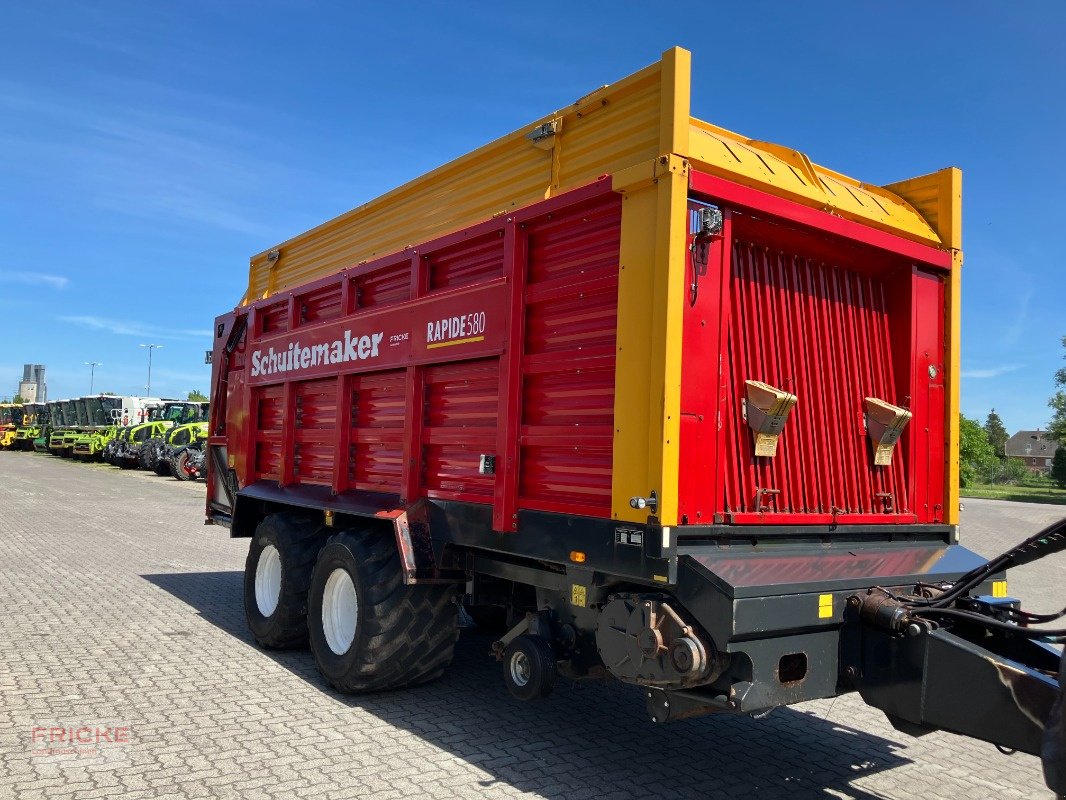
820	331
268	416
461	411
376	452
383	287
274	318
316	423
608	130
319	305
569	365
468	263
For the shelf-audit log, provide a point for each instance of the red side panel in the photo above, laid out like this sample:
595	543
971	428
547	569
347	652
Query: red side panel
267	418
461	411
315	419
569	359
477	367
375	452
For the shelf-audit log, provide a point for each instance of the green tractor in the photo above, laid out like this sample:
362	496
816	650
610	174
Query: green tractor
53	416
127	453
189	462
34	417
134	412
10	419
155	453
104	413
175	442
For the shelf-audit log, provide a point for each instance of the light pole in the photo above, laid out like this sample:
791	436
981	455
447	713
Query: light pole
150	347
92	372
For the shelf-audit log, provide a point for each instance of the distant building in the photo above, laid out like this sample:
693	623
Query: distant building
32	387
1033	448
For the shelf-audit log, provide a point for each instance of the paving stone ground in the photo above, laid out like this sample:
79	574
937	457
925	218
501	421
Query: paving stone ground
122	611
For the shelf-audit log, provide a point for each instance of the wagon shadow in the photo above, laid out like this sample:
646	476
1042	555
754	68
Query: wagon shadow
585	740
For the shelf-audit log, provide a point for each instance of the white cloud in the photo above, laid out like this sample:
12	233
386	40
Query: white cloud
124	328
34	278
991	372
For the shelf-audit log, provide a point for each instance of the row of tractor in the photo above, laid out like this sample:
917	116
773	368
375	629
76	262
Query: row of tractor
166	436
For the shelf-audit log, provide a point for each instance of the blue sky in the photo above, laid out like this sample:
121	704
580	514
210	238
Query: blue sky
148	149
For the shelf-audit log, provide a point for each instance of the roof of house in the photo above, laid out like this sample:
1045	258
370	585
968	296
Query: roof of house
1031	444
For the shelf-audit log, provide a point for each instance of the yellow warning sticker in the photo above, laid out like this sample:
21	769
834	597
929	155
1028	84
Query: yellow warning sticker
578	595
999	588
825	606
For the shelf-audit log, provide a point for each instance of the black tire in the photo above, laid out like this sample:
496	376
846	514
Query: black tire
147	455
297	541
179	467
127	463
529	667
162	467
404	634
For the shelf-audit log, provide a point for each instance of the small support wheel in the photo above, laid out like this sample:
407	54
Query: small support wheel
529	667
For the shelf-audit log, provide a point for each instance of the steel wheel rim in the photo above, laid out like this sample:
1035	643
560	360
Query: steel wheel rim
340	611
521	668
268	580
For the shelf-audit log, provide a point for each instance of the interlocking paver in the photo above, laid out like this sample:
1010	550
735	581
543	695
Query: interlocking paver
120	606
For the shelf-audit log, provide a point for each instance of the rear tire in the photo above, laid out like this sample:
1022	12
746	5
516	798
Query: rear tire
147	456
277	574
162	468
179	467
369	630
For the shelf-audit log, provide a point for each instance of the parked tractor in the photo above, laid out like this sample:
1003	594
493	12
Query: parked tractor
187	462
10	419
153	453
134	412
128	452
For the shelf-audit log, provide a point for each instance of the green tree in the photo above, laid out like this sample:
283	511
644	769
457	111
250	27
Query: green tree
976	455
1057	426
196	396
18	399
1058	467
997	434
1012	471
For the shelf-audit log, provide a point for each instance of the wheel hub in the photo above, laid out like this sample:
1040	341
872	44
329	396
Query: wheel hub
520	668
268	580
340	611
